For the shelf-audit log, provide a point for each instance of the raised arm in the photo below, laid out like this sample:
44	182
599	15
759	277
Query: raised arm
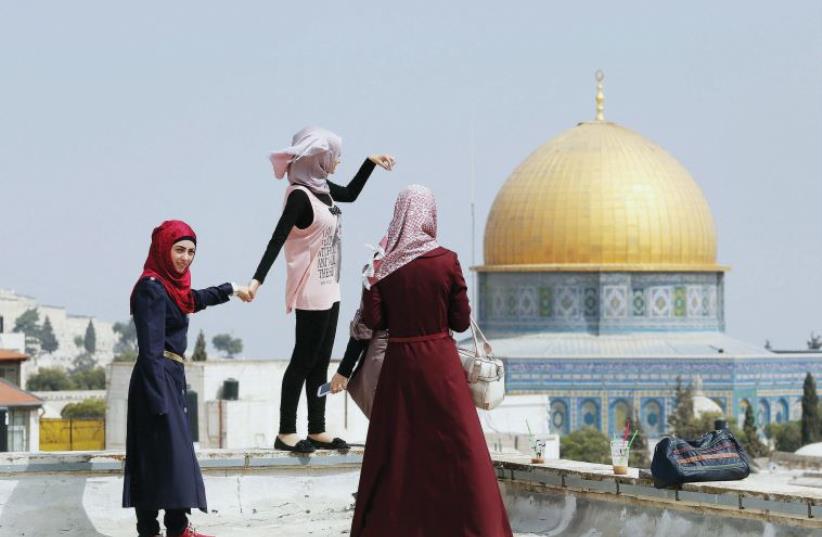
351	192
149	308
459	311
296	206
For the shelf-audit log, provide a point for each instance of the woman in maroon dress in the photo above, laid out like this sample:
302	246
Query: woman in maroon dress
427	471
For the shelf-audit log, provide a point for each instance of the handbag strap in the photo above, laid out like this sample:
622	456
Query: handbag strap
478	336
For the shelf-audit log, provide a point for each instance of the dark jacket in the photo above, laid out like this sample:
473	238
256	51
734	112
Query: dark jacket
161	470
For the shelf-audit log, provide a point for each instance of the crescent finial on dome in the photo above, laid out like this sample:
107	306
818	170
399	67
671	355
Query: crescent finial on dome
600	76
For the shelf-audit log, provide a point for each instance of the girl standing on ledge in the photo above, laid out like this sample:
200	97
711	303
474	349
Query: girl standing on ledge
161	470
309	230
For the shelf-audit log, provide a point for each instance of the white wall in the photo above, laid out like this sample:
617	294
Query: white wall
253	421
53	402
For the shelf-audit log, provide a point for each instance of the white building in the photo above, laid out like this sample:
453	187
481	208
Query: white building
66	328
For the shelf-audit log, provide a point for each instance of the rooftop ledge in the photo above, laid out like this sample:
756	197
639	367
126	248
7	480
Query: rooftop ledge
530	490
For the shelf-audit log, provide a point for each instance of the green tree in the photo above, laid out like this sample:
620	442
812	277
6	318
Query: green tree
127	333
750	439
680	421
89	379
227	344
810	411
639	457
587	445
48	341
786	436
28	323
78	342
49	379
85	409
90	339
199	354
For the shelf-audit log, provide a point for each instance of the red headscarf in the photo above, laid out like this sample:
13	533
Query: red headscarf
159	266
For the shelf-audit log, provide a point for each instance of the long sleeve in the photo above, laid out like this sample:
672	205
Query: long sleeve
296	207
459	311
212	296
149	307
353	352
372	314
351	192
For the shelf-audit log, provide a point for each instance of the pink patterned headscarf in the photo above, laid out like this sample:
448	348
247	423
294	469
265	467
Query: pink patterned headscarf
311	157
412	233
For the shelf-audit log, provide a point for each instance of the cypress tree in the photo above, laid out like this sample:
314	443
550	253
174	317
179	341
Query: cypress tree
90	340
199	354
810	411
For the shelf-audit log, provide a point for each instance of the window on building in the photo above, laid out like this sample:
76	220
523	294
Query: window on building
18	437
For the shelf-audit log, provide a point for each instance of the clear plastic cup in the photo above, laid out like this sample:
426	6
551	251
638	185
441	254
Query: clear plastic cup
619	456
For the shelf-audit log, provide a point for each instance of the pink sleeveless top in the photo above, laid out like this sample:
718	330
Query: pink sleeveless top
312	257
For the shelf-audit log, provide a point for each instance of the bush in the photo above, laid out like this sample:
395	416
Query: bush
90	379
786	436
587	445
54	379
50	379
86	409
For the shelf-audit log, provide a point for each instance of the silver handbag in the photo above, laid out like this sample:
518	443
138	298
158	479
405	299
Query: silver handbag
485	373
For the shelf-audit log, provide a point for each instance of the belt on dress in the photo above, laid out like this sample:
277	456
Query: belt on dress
416	339
174	357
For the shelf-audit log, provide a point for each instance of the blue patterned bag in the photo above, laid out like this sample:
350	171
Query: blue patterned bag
716	456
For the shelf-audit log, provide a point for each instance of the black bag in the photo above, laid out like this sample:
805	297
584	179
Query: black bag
716	456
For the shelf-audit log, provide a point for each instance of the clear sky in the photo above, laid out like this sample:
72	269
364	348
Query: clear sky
115	116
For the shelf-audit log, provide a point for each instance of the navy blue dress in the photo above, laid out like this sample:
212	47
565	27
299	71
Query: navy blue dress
161	470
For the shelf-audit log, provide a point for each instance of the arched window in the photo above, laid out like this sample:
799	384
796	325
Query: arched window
589	414
559	417
652	420
763	413
782	411
620	412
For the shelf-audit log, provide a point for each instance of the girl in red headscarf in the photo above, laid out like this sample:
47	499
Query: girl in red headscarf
161	470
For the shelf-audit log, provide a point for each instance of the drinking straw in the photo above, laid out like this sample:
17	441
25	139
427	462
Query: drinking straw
632	439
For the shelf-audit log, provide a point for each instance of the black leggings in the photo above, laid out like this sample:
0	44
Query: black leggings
175	521
315	333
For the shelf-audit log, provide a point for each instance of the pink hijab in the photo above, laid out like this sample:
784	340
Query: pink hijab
312	155
412	233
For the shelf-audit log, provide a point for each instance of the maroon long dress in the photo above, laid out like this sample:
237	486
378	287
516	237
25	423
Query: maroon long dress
427	471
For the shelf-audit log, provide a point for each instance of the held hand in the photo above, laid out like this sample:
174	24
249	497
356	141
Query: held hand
244	294
338	383
385	161
253	285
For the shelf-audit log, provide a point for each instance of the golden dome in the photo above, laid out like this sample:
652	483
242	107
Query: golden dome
600	197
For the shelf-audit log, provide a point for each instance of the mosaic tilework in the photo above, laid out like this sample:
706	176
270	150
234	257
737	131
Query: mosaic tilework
590	302
566	302
527	302
600	302
546	304
695	299
660	301
615	300
679	302
638	303
587	392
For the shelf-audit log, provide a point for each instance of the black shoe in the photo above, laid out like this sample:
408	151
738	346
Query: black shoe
338	443
303	446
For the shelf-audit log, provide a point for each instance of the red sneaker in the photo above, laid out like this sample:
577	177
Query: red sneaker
189	532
